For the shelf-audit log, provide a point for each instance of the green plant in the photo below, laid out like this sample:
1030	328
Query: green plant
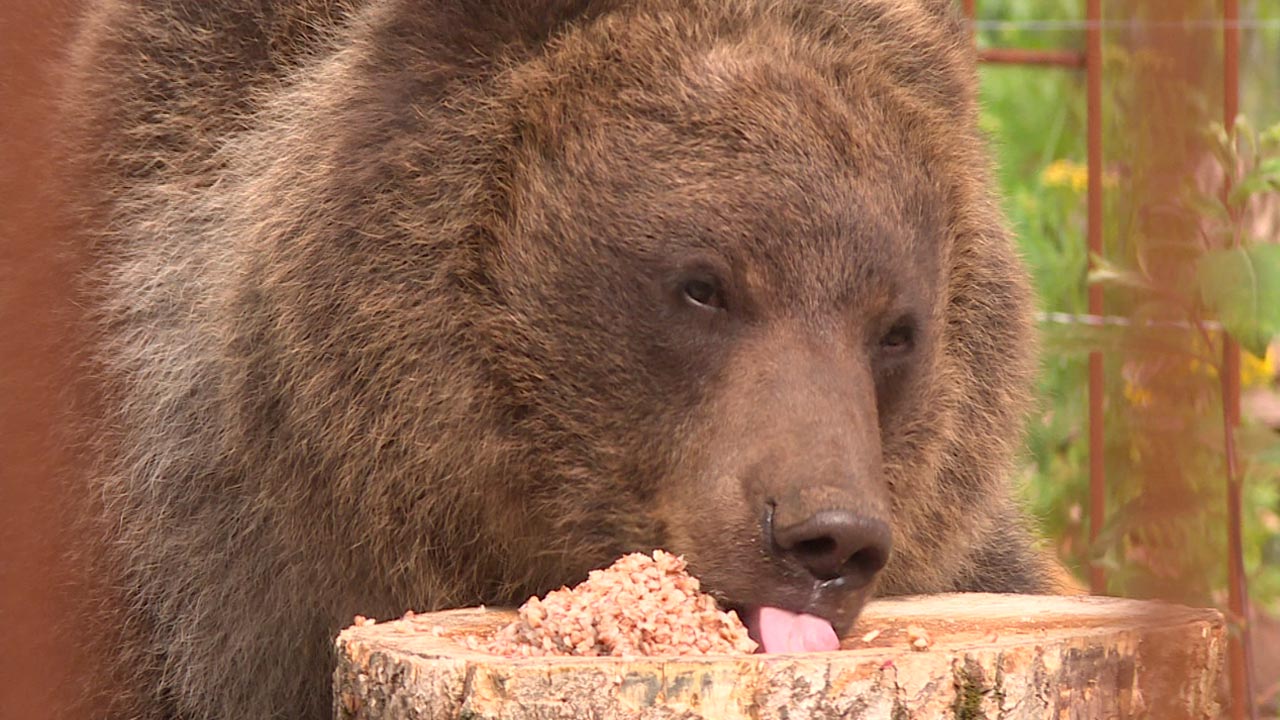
1153	543
1184	289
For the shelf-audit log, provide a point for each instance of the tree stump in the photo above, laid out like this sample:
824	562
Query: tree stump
963	656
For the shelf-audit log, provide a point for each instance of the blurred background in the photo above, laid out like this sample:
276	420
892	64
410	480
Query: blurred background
1188	216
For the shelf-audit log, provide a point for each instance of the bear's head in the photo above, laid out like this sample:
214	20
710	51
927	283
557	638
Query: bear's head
755	307
723	278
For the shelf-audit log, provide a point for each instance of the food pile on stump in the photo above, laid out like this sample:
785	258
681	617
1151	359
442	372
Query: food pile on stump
640	605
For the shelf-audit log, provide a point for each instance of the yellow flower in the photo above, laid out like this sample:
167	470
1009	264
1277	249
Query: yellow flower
1137	395
1254	371
1206	369
1066	174
1257	371
1079	179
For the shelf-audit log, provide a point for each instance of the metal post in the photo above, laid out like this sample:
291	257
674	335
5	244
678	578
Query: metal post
1237	584
1019	56
1097	457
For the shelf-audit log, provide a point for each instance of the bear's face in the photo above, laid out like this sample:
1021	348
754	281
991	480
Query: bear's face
723	297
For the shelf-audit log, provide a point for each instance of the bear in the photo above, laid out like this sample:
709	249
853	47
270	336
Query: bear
418	304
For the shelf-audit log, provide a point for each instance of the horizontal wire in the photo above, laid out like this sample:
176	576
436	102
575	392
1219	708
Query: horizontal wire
1059	318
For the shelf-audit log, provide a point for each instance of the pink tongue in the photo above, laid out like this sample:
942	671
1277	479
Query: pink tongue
780	631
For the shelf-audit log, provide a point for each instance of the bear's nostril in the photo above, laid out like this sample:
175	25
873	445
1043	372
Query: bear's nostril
818	547
868	561
833	544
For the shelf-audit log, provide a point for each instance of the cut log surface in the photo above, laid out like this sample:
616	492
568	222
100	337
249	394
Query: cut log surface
964	656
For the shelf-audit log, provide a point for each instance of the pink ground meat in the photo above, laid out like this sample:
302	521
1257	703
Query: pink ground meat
640	605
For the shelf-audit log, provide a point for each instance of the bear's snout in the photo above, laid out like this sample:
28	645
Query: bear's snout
838	547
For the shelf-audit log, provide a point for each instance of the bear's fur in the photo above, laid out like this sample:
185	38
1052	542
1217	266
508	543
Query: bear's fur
390	314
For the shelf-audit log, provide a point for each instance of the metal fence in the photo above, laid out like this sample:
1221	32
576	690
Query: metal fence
1091	62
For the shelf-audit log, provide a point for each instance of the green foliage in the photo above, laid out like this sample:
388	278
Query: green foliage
1242	287
1035	118
1240	280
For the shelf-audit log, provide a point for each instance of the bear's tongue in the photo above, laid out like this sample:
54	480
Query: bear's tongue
779	631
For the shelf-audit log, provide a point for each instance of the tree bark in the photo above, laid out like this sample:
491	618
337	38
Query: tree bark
964	656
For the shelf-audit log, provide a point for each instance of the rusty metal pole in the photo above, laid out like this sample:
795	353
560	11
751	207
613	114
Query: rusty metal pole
1097	458
1237	583
44	659
1231	107
1019	56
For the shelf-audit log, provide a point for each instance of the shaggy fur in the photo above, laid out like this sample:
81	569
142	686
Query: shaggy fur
391	317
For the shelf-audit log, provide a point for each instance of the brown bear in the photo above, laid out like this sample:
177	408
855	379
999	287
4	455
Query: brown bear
410	304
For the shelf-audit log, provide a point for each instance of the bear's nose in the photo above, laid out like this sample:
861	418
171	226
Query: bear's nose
833	544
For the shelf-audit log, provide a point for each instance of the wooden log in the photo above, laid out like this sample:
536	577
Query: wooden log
981	656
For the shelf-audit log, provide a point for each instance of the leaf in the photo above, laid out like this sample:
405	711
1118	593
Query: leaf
1252	184
1270	138
1209	205
1105	273
1242	287
1270	167
1243	132
1224	149
1255	440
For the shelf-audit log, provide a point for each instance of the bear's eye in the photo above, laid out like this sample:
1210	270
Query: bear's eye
704	293
900	338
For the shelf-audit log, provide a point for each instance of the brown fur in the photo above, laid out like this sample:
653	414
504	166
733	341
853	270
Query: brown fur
387	317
